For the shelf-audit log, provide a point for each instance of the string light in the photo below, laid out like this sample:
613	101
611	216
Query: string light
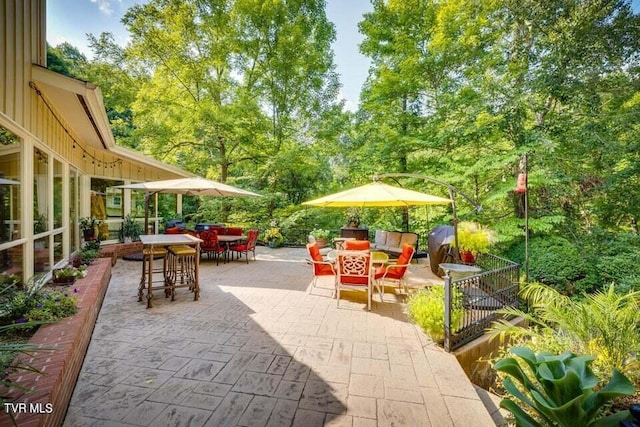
76	144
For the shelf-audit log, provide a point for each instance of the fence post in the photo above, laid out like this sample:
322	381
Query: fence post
447	311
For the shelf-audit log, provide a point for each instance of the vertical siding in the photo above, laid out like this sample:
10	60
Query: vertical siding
22	42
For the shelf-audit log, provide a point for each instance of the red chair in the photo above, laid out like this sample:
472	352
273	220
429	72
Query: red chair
320	266
233	231
395	272
220	230
246	247
354	272
211	245
357	245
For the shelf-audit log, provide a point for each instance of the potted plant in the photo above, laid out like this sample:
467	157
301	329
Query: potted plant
66	275
130	230
472	240
321	236
273	237
84	256
88	226
40	224
353	219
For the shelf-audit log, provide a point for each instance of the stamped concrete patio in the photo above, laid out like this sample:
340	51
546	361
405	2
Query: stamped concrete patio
259	349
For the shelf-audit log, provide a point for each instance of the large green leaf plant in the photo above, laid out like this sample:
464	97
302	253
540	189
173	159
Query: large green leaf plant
559	390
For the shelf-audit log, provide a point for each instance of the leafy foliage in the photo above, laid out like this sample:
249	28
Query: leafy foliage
605	324
426	308
458	90
559	390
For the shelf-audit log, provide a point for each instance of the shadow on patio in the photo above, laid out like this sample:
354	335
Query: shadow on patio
258	349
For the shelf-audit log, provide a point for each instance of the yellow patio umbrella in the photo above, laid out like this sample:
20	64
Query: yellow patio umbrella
377	194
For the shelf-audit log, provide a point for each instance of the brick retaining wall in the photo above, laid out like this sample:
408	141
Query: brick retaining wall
68	340
118	250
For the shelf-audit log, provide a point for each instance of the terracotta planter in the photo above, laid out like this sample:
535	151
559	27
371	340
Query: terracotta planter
322	242
467	257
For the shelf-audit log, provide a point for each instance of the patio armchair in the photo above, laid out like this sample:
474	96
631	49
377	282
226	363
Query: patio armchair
323	251
245	247
211	245
321	267
394	272
233	231
354	272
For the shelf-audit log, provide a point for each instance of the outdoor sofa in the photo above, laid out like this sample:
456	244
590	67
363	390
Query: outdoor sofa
391	241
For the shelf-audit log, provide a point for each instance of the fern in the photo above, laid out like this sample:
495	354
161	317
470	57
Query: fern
605	324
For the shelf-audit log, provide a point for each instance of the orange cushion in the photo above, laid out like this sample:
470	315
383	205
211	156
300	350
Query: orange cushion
314	251
357	245
354	280
397	272
318	269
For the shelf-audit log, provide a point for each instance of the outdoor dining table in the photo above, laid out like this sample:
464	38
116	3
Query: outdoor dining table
152	241
227	239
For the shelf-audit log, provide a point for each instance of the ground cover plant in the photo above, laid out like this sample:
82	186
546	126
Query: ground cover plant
426	309
23	308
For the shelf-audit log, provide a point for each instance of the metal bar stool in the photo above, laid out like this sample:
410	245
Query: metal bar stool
182	267
148	256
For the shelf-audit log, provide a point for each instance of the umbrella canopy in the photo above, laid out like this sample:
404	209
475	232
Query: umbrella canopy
377	194
194	186
4	181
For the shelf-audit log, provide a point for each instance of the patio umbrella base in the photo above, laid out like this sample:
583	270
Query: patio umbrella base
138	257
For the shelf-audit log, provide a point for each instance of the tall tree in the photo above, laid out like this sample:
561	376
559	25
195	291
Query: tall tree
488	81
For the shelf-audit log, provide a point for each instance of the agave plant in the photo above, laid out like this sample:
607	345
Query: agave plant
559	390
605	324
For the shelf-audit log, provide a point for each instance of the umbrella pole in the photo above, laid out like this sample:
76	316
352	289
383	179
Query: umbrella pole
147	196
146	212
452	196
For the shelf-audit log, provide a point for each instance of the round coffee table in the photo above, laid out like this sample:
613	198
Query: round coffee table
459	271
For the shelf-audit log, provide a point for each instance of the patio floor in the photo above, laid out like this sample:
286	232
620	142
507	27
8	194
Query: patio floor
259	349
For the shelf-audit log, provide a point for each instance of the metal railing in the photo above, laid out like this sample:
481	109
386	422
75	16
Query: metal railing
471	303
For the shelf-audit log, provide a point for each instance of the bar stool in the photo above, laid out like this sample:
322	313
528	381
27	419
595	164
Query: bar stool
148	257
182	266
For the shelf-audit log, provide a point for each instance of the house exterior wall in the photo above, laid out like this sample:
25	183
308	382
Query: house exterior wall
22	43
51	154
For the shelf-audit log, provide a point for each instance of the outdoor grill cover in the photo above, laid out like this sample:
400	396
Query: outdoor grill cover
439	241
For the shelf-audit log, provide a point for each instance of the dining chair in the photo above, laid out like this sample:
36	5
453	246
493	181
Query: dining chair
321	267
248	246
354	272
211	245
323	251
394	272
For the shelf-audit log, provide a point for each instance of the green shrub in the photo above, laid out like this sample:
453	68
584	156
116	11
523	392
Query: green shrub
556	262
559	390
622	269
605	324
426	309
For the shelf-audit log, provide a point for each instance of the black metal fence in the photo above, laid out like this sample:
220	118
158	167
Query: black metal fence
471	303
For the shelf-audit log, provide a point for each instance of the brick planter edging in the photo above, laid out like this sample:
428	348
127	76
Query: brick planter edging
67	341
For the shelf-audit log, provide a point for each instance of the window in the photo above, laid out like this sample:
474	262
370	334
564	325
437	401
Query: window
107	206
10	203
41	192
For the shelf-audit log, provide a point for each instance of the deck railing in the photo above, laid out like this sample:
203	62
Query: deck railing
472	302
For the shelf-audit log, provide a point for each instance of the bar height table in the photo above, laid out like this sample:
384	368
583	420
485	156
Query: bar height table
151	241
